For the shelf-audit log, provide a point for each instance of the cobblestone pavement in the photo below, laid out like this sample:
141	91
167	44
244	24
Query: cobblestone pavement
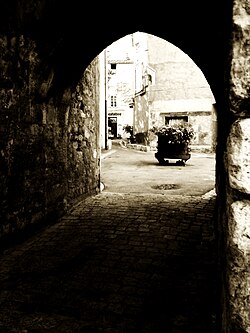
117	263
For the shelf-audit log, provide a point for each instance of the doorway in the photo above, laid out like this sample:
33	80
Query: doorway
112	126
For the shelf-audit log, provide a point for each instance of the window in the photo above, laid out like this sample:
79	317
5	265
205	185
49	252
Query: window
113	103
170	121
112	69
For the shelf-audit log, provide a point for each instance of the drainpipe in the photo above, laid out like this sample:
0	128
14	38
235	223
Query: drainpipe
105	106
106	126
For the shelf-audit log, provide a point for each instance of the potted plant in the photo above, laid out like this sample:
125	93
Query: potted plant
173	142
128	130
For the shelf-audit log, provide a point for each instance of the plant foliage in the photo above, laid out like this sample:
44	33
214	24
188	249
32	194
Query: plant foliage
178	133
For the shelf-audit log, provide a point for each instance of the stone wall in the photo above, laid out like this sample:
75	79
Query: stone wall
236	315
202	125
49	154
177	76
82	126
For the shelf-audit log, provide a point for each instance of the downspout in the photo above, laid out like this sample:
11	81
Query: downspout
105	105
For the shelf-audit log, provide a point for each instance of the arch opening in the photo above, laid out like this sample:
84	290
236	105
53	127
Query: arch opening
148	83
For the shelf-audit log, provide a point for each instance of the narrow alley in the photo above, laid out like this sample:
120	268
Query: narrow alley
163	248
119	262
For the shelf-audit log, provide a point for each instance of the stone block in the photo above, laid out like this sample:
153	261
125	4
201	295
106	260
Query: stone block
240	226
239	260
238	155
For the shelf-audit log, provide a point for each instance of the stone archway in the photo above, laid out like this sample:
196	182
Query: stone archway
44	51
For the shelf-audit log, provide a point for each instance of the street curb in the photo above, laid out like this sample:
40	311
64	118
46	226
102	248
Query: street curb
106	154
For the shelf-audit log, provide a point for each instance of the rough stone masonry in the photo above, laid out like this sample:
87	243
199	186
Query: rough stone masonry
237	161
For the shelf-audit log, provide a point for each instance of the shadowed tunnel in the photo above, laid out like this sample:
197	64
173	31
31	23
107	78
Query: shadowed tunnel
50	156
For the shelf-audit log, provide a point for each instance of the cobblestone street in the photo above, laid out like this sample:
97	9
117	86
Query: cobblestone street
117	263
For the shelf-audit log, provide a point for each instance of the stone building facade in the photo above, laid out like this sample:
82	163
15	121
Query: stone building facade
154	83
171	88
116	89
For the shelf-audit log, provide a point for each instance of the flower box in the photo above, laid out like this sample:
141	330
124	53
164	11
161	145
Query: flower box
173	143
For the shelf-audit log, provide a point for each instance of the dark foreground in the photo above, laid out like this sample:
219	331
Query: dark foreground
118	263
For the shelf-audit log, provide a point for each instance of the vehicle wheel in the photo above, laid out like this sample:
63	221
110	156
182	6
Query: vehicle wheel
161	161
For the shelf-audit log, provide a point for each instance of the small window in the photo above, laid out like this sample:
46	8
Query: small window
112	69
113	103
170	121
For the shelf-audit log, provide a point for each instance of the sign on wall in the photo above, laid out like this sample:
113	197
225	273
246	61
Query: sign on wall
114	114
